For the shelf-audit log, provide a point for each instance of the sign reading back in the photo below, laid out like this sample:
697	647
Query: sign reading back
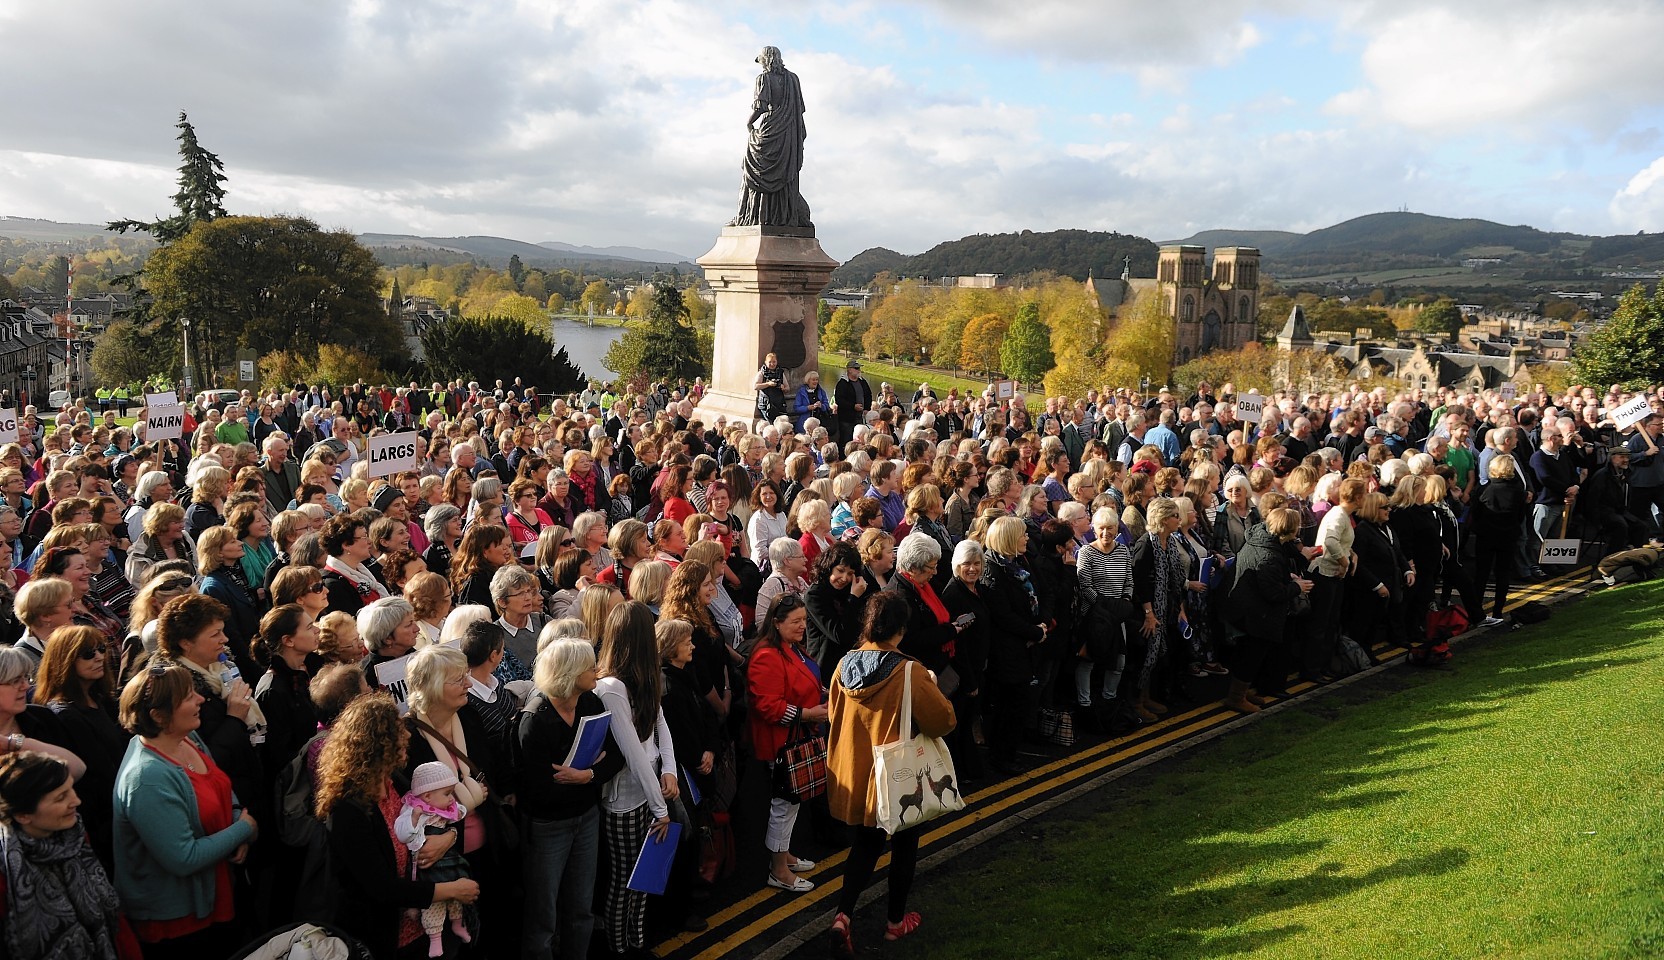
1559	552
163	423
392	452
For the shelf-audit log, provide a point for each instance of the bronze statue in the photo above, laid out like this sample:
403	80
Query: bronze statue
774	155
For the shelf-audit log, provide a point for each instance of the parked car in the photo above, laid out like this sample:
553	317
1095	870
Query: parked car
59	399
216	399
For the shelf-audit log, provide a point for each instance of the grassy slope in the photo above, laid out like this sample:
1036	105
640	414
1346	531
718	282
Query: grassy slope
1507	807
904	379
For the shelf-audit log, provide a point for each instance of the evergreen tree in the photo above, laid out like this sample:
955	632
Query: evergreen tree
1628	348
1026	354
1441	316
663	345
823	316
516	271
201	194
481	348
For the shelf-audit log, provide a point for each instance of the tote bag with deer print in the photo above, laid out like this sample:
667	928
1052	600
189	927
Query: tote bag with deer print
913	777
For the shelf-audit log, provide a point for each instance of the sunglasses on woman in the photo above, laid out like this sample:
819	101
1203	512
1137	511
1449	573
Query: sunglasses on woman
93	653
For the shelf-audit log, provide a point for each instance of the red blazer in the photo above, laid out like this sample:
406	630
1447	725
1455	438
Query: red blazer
781	686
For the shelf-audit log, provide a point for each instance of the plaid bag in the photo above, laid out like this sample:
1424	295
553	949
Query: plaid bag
800	768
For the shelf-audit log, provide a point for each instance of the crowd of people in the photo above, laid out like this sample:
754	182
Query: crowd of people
244	684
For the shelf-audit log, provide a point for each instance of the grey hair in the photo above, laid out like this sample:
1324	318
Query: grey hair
433	523
14	663
429	669
783	549
585	522
917	551
487	488
564	628
148	483
509	580
377	621
968	551
560	663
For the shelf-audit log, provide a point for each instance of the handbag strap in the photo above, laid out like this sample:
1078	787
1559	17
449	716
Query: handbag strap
425	727
907	701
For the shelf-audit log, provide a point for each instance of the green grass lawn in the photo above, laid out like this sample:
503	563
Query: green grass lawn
904	379
1507	806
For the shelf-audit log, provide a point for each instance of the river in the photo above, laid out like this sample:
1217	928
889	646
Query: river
586	345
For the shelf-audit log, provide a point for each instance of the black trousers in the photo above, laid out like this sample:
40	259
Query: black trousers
863	858
1322	624
1003	719
1495	559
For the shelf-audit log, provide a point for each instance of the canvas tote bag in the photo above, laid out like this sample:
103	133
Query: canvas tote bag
913	777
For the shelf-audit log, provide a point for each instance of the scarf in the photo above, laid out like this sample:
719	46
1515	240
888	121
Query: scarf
585	485
1170	566
469	792
368	587
59	903
214	677
1013	569
450	814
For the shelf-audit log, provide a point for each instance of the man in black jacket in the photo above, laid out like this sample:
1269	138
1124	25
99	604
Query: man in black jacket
1605	504
853	397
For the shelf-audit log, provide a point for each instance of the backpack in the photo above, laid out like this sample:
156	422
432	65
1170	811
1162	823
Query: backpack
1531	611
1349	658
1446	622
316	889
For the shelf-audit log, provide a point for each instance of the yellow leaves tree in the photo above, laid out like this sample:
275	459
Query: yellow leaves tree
1143	338
701	312
894	330
979	348
520	307
596	295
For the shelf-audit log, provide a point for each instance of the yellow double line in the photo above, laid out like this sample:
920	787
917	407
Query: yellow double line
1078	766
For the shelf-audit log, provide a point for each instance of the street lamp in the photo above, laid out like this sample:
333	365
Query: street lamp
189	387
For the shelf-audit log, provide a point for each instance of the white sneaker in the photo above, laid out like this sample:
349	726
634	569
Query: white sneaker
1609	581
1490	621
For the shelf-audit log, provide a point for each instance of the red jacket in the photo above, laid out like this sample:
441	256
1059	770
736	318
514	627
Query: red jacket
782	684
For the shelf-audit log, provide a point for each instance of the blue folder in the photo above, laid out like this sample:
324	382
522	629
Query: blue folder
586	746
652	870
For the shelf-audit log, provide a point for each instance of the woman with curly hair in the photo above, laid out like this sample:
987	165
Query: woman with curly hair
357	798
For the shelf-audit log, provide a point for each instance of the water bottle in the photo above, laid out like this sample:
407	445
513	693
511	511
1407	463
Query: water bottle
232	674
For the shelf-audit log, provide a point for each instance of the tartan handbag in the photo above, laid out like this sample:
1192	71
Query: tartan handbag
800	768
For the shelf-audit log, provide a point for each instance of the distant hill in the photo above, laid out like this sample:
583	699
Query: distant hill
1268	242
495	251
867	264
618	253
1425	235
1071	253
48	231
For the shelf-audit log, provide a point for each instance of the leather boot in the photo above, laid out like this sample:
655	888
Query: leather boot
1237	698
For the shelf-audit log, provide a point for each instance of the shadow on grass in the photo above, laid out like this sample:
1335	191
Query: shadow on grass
1152	864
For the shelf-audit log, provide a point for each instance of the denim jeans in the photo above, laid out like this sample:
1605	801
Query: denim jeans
561	860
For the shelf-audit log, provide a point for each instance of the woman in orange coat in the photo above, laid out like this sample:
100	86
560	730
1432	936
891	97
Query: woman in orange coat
785	688
865	711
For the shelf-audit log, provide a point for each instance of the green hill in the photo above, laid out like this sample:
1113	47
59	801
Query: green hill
1268	242
1071	253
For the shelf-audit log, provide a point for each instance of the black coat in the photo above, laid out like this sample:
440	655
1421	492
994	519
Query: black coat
970	651
926	640
693	725
1501	509
285	697
373	894
847	394
1261	590
1419	536
834	623
1013	630
1380	562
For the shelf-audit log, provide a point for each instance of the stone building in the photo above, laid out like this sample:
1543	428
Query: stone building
1212	306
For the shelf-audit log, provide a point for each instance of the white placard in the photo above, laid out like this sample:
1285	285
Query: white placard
8	425
1509	391
1632	412
166	398
1005	389
1249	407
1559	551
391	452
391	676
163	423
245	371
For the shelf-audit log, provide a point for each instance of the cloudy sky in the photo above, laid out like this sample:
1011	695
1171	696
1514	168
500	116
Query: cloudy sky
622	121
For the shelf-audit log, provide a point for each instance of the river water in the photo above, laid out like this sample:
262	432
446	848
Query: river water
586	345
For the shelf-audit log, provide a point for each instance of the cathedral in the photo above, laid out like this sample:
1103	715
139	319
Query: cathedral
1211	309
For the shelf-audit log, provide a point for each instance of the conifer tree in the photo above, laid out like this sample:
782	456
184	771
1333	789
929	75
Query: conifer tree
201	194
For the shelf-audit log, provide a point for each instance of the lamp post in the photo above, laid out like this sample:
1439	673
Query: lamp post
189	386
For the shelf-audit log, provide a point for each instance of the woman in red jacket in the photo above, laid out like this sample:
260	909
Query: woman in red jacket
785	691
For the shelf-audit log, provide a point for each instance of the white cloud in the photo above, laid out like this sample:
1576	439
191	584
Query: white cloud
1640	204
1535	68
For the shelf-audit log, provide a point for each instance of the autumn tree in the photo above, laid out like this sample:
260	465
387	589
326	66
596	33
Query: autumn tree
524	309
844	331
1440	316
125	352
597	298
701	312
979	350
1143	338
1026	353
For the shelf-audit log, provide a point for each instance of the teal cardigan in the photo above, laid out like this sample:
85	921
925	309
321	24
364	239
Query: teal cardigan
164	861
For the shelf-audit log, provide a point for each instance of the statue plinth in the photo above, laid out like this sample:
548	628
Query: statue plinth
768	282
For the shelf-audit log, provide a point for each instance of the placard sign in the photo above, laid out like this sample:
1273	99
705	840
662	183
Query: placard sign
1559	552
8	425
1509	391
163	423
392	677
1632	412
1249	407
165	398
391	452
1005	389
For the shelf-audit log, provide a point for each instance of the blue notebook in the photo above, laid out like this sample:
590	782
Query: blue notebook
694	798
586	746
652	870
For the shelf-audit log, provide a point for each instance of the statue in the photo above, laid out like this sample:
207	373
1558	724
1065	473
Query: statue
774	155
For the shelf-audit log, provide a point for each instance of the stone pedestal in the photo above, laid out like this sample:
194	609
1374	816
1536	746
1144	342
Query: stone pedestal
768	281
